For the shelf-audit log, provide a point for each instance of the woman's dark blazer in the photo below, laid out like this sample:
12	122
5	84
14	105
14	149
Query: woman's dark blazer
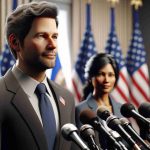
90	103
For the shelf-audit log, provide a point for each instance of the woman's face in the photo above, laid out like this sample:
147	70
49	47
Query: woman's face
105	80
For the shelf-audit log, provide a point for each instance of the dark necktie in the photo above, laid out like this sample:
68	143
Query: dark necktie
47	115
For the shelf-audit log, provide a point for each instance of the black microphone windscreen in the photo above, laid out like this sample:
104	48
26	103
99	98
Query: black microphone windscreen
103	112
87	115
86	130
144	109
126	109
112	121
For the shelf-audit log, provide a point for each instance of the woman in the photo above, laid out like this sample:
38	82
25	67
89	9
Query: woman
102	75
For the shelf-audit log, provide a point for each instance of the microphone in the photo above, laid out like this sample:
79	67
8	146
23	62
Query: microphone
128	110
117	136
144	109
69	132
114	123
89	117
87	133
127	126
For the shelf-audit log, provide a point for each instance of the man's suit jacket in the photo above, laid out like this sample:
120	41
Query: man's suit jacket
20	128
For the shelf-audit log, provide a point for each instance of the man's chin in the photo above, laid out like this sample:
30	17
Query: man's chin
51	65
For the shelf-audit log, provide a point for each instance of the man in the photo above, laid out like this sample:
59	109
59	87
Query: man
31	32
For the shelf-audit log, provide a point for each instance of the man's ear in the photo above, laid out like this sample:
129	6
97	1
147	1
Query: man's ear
13	41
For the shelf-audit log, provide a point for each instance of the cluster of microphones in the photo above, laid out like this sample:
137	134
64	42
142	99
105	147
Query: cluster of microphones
120	128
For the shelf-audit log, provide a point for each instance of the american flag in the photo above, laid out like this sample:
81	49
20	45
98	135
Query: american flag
120	92
87	49
137	67
7	59
57	74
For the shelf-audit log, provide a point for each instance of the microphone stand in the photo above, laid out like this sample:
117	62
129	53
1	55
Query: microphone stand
93	146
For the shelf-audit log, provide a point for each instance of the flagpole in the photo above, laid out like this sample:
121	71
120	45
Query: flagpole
113	2
136	4
89	1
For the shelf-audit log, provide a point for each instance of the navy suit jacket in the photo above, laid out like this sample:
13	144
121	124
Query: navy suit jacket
90	103
20	128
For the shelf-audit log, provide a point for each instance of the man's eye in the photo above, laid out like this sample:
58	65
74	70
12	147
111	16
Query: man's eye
55	36
40	35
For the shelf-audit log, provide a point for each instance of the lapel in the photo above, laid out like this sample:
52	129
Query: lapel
57	93
91	102
116	107
21	102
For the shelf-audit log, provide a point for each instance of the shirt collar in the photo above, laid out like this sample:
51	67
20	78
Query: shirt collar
27	83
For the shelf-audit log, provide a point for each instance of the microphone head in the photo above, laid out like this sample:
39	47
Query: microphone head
87	116
67	129
144	109
112	121
86	131
124	121
126	110
103	112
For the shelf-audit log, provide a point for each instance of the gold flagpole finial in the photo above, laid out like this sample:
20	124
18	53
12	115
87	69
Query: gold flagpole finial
136	3
89	1
113	2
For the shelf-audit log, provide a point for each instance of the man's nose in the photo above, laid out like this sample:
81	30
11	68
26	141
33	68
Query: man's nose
51	44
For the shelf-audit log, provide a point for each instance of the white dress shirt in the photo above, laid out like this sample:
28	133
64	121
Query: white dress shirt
29	85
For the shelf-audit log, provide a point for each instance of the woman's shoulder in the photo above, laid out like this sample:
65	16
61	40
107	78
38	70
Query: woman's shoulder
85	102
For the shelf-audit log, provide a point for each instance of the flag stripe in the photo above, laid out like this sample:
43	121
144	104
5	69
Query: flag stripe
134	100
140	89
78	95
136	65
122	93
143	75
124	78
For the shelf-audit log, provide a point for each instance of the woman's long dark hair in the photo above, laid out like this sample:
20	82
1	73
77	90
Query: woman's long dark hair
92	68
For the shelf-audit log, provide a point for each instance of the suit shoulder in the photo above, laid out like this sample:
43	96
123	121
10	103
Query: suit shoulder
59	87
82	105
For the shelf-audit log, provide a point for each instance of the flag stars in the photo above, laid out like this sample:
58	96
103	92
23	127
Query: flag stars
142	59
118	54
118	48
114	46
140	39
135	38
137	25
3	68
7	51
114	39
137	64
135	44
137	32
90	40
90	47
137	58
143	53
5	60
12	62
87	49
